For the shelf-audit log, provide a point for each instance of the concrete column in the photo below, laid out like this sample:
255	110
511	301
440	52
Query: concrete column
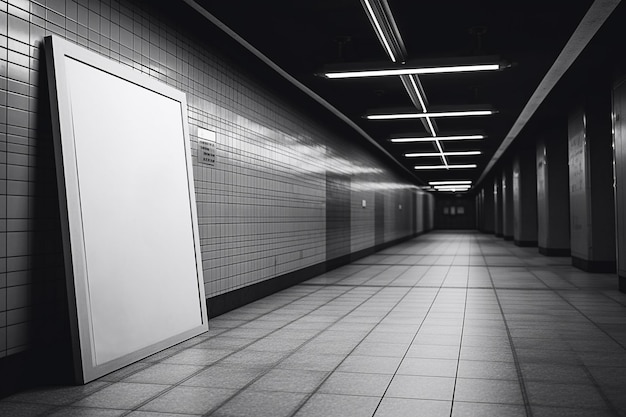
497	203
552	194
525	198
488	207
507	202
619	111
592	203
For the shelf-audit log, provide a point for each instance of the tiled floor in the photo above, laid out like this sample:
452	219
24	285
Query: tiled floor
449	324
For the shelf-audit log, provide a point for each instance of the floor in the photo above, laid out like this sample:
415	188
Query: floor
448	324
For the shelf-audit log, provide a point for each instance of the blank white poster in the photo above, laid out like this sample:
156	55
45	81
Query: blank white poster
131	211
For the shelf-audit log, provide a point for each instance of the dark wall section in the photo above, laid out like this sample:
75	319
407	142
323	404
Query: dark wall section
338	212
455	213
379	219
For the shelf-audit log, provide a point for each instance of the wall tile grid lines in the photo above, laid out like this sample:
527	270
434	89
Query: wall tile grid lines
261	207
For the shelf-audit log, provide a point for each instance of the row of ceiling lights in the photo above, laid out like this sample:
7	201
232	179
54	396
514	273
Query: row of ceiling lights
384	25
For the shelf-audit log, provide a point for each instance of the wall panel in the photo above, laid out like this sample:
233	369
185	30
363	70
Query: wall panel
262	202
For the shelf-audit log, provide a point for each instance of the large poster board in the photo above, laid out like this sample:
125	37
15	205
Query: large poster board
131	243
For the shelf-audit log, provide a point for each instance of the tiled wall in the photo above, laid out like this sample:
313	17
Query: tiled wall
263	206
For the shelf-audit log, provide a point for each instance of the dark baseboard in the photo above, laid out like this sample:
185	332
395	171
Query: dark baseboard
499	235
389	244
231	300
554	251
525	243
508	237
594	266
622	283
15	371
355	256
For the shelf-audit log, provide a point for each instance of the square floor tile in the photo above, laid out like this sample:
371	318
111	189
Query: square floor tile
260	404
313	362
405	407
189	400
433	352
223	377
85	412
487	370
563	395
488	391
348	383
200	357
547	372
121	395
543	411
381	349
289	380
326	405
253	359
482	353
463	409
370	364
421	387
163	373
428	367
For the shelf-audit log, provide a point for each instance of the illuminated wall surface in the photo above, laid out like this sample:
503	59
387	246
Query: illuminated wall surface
263	203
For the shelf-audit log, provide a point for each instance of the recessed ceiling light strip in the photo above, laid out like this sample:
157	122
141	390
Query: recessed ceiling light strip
453	153
411	71
456	182
453	187
440	138
414	84
464	166
395	116
379	30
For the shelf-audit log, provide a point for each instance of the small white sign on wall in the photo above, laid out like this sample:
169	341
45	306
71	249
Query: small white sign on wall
206	147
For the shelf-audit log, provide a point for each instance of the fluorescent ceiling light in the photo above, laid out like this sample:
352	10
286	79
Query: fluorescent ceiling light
430	139
393	116
444	166
459	153
459	182
453	187
409	71
379	30
454	190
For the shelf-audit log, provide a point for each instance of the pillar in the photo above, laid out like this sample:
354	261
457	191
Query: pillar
507	202
488	207
525	198
619	111
592	211
497	205
552	194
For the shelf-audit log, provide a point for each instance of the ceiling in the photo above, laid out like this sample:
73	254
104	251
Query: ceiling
303	37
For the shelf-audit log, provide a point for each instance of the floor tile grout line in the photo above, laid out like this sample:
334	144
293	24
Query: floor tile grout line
585	368
411	342
310	395
458	363
518	369
581	363
295	350
588	318
172	386
253	340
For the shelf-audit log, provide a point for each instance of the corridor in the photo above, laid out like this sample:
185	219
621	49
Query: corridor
447	324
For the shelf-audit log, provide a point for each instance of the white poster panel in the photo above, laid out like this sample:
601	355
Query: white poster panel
132	249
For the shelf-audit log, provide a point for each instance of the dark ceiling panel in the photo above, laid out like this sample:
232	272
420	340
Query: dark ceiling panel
304	36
